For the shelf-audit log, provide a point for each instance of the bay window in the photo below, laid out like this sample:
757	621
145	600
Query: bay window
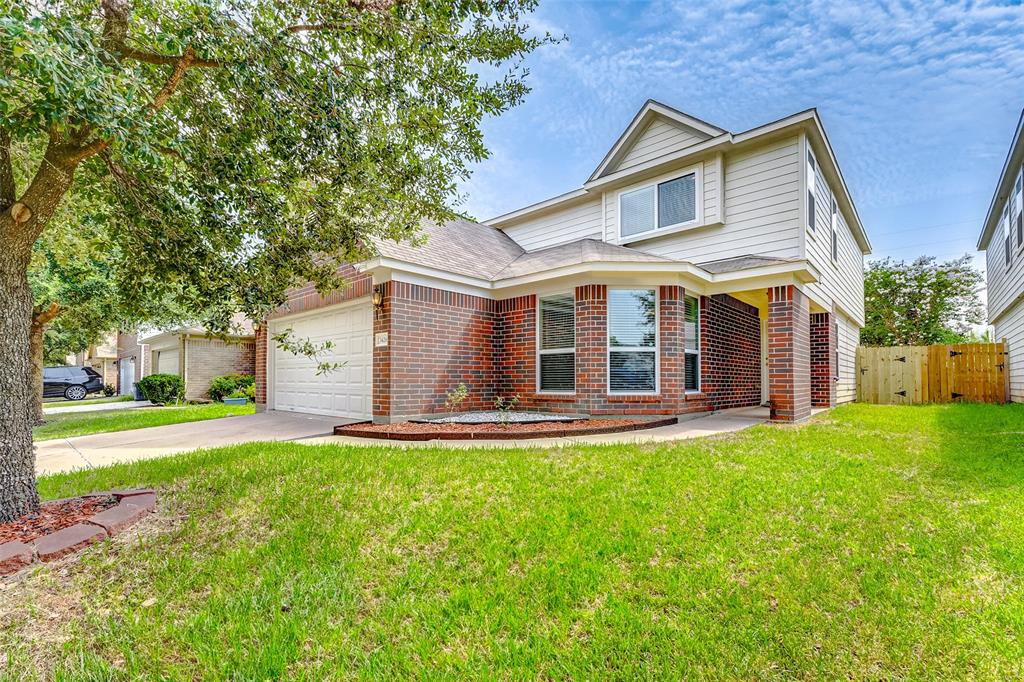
691	342
632	341
556	363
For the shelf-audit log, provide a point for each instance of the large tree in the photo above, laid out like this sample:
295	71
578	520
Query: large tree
248	144
921	302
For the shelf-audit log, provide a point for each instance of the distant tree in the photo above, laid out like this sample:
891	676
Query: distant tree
246	145
920	303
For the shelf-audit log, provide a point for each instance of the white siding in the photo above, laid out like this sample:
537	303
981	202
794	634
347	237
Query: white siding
1011	327
842	280
566	225
1005	284
848	338
660	137
762	209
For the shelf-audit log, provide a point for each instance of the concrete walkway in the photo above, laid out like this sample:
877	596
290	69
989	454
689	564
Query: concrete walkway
83	452
97	407
726	421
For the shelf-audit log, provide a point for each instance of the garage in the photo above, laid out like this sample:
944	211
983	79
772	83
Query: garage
344	392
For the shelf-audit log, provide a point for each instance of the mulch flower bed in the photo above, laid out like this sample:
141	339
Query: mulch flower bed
54	516
63	527
421	431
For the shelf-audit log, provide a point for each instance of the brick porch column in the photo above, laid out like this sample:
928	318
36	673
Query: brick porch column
789	354
673	350
591	346
823	360
261	367
381	395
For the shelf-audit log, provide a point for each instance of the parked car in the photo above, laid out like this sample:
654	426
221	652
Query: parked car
74	383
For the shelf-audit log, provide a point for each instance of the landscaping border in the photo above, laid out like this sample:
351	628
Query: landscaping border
131	507
358	430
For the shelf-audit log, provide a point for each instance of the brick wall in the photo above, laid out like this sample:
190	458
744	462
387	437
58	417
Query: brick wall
789	354
260	366
823	360
730	352
206	358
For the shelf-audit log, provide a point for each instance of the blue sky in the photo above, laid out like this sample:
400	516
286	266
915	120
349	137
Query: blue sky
919	100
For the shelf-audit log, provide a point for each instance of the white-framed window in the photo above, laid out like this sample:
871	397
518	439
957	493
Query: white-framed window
633	341
1005	222
691	343
556	343
835	230
1017	214
812	182
661	206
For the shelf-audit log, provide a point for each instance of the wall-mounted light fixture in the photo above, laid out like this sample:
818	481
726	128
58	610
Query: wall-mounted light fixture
378	297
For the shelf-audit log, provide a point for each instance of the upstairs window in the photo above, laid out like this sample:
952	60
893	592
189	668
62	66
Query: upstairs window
557	346
1017	214
632	341
812	181
1005	222
691	343
835	230
658	207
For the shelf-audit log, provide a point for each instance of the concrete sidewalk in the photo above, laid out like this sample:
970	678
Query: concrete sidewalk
97	407
83	452
726	421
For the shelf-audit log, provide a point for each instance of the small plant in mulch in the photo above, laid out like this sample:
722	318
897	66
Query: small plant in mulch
454	398
503	406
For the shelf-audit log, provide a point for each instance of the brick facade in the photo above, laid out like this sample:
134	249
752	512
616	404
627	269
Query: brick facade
206	358
823	360
789	354
438	339
730	352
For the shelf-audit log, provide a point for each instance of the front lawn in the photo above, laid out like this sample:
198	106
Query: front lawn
69	424
875	543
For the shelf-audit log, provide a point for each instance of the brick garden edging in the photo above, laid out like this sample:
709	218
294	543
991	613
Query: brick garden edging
131	507
355	431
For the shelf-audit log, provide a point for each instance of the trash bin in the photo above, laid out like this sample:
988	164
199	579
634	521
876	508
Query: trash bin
138	391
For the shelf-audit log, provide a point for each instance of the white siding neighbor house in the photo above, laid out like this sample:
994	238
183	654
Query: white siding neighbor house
1002	240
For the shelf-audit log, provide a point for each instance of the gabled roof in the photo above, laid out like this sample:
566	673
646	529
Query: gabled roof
1014	158
738	263
650	111
575	253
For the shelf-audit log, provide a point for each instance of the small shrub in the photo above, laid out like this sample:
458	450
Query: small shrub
109	390
454	398
162	388
504	406
225	385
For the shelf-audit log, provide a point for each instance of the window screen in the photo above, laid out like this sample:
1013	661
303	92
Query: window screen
677	201
632	340
557	366
637	211
691	343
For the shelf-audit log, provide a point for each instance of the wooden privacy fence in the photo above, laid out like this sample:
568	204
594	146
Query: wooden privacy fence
902	375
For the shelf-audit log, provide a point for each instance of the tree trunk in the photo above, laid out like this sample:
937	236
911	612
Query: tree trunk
18	495
35	354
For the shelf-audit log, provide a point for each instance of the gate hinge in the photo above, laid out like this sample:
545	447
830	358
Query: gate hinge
902	393
903	359
957	395
954	353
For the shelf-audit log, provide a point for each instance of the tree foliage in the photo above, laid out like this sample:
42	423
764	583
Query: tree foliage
922	302
240	146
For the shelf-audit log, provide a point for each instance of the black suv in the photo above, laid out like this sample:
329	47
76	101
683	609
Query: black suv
74	383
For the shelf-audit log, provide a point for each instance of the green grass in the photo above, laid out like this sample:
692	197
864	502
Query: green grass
874	543
61	402
70	424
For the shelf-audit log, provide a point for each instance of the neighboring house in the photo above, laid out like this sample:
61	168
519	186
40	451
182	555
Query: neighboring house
1002	240
102	357
192	353
695	269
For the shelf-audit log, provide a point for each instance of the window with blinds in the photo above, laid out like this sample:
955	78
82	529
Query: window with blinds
556	366
691	342
632	341
812	182
835	230
657	207
1017	216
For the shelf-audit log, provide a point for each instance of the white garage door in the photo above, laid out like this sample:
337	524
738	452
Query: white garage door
167	362
344	392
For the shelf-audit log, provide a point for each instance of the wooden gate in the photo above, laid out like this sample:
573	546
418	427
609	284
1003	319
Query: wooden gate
902	375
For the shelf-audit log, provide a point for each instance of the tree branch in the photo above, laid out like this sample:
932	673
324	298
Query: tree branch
165	60
8	191
42	316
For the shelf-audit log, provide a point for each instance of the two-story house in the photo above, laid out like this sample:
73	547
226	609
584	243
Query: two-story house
695	269
1002	240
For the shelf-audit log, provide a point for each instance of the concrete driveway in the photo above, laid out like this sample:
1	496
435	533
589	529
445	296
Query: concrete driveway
83	452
